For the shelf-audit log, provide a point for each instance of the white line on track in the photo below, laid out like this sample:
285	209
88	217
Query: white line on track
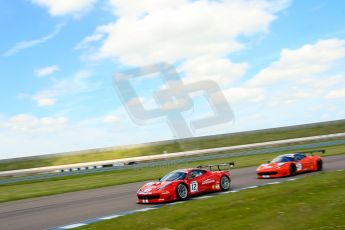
170	204
145	209
201	197
275	182
73	226
178	202
250	187
225	192
110	217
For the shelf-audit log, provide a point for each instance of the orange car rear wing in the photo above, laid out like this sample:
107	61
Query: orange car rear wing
217	167
322	151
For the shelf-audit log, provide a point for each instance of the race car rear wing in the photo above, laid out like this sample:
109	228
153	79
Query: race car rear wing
218	167
322	151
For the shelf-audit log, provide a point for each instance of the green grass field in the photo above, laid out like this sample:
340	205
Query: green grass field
313	202
195	143
82	182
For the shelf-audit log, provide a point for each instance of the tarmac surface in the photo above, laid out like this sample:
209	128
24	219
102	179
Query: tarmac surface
63	209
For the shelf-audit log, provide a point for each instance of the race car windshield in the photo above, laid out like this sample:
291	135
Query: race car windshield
282	159
174	176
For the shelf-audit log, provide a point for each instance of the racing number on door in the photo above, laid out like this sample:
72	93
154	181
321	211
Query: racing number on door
194	186
299	166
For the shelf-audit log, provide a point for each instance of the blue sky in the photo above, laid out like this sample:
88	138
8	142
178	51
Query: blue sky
278	63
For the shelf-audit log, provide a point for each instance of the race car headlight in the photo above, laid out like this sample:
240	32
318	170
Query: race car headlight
164	186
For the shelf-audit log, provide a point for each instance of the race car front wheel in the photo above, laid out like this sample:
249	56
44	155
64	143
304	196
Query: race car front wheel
319	165
293	170
224	183
181	192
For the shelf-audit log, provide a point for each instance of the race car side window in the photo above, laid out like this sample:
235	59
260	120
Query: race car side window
192	174
202	172
299	157
195	173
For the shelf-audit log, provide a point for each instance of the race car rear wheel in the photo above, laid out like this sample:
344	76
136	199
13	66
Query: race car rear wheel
293	170
224	183
181	192
319	165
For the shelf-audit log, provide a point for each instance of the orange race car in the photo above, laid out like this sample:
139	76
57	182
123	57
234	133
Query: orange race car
291	164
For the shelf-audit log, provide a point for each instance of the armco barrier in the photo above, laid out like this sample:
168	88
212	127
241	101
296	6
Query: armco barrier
101	164
166	162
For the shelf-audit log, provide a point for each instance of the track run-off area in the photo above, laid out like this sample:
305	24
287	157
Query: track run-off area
68	209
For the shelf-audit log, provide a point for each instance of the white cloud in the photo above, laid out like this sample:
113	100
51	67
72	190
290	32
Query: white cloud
26	123
188	29
147	103
77	84
200	34
244	95
336	94
64	7
324	82
45	101
30	43
84	44
308	73
52	134
293	95
300	64
112	118
45	71
131	9
221	70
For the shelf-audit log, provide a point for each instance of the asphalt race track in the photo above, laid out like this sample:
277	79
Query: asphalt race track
59	210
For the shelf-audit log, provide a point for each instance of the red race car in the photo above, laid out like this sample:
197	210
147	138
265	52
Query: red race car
291	164
183	183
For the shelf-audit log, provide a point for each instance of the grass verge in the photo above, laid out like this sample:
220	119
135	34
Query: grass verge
53	186
313	202
194	143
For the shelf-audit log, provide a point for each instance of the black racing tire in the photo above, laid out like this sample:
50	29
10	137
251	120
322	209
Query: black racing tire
224	183
319	165
181	192
293	170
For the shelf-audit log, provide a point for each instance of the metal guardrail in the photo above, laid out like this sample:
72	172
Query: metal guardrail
167	162
172	141
100	164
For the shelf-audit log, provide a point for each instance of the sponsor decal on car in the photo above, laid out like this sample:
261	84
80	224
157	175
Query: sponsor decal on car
208	181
